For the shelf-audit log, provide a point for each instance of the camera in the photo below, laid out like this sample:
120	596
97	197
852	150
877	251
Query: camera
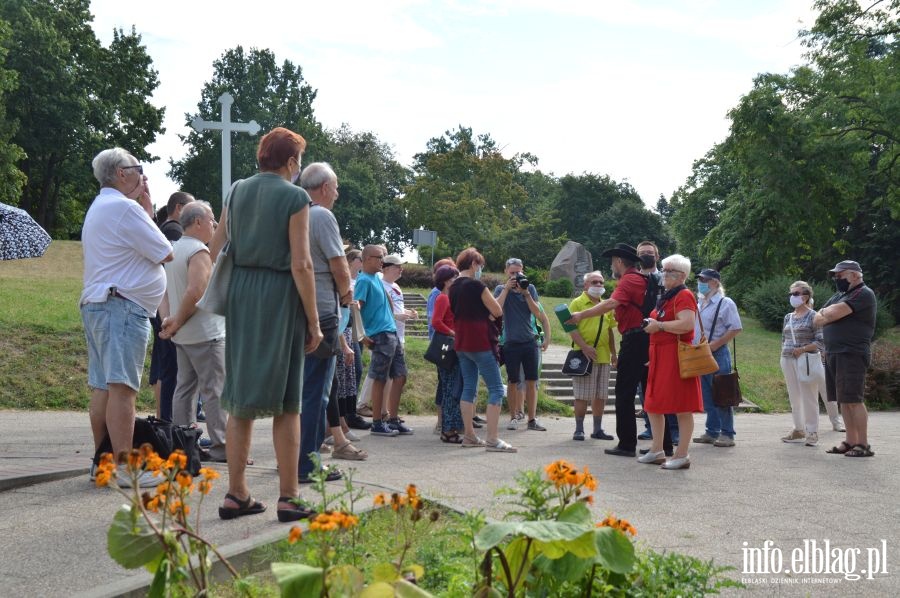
644	323
522	281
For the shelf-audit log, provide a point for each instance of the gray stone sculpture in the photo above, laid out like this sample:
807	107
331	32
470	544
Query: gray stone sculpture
573	261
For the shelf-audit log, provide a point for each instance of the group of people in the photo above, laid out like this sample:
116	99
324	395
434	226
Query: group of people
290	267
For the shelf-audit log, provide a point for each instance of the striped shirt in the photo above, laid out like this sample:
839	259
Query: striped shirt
799	332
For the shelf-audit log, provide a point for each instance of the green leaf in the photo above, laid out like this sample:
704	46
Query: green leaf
379	589
132	545
405	589
614	550
583	546
160	581
297	580
566	568
544	531
384	572
576	513
345	580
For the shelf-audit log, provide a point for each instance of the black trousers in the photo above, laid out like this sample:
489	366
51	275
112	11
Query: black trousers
634	352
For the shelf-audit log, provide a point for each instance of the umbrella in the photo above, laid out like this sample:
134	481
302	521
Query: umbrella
20	235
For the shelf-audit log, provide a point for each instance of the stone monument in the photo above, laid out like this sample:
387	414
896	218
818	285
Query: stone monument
573	261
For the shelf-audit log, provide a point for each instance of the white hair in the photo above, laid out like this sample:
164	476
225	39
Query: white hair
316	174
107	162
193	210
678	262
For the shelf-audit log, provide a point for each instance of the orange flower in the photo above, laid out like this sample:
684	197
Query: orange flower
588	499
205	487
412	491
177	460
153	504
163	488
620	524
184	479
415	502
154	462
146	451
590	482
379	500
209	474
103	478
176	507
134	460
295	534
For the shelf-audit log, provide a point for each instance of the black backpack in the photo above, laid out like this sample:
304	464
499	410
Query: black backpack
652	292
165	438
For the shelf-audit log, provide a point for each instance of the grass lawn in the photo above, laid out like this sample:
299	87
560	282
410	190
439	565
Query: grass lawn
44	364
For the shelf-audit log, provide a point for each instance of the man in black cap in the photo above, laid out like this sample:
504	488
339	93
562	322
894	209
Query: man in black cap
627	301
848	319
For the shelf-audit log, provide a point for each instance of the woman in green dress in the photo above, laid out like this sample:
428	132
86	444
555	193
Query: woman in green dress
271	318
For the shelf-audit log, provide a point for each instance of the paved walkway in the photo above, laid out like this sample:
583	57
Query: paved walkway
53	533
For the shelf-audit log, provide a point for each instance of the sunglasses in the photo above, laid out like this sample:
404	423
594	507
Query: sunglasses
798	293
140	169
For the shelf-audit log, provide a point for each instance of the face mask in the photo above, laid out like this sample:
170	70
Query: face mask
797	301
703	287
478	274
596	292
647	261
294	177
842	284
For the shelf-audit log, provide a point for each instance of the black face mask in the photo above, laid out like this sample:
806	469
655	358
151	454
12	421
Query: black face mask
843	285
648	261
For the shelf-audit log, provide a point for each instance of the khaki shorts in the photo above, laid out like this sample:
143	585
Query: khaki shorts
594	385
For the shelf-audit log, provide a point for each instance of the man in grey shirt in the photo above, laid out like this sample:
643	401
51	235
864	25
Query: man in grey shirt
332	290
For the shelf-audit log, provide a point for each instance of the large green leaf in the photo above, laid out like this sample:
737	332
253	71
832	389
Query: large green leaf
404	589
385	572
576	513
160	581
544	531
614	550
566	568
379	589
345	580
297	580
132	544
583	547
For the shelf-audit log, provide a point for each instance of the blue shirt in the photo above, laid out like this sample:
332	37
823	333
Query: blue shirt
728	317
429	309
517	318
377	312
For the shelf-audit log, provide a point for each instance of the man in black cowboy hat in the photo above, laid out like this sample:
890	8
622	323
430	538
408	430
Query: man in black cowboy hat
627	301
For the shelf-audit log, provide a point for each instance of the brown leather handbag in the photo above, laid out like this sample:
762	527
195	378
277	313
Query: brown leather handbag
696	360
726	387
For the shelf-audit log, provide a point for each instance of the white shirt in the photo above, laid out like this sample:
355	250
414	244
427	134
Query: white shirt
203	326
124	249
399	307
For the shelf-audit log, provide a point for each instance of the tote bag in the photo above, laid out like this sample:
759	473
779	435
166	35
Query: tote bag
215	297
696	360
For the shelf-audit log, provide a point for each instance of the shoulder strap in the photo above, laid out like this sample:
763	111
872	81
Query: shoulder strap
734	353
715	317
225	204
599	330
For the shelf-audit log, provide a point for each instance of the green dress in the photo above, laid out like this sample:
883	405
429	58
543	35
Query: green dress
265	325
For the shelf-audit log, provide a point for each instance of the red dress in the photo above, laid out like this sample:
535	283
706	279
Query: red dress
667	392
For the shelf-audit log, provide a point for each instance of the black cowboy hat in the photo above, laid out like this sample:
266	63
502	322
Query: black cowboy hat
622	250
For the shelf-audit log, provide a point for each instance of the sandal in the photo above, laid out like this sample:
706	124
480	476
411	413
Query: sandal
472	442
501	447
451	437
840	449
298	510
349	452
860	450
244	507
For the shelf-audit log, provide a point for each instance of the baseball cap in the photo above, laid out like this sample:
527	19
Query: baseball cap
709	273
393	260
846	265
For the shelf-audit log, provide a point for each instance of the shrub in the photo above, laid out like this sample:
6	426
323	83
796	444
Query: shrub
537	277
883	376
561	287
768	303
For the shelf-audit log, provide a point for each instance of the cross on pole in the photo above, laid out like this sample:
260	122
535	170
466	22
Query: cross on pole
227	127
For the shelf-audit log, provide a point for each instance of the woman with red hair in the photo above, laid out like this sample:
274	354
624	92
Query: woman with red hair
271	319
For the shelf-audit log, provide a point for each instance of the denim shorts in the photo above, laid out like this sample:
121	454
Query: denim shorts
117	331
387	357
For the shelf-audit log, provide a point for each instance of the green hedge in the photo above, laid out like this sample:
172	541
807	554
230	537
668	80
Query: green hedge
561	287
768	303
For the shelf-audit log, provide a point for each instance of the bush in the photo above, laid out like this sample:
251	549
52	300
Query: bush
883	376
537	277
561	287
768	303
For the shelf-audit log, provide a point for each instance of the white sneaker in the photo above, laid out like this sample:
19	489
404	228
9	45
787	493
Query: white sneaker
145	480
349	435
795	436
837	424
513	424
812	439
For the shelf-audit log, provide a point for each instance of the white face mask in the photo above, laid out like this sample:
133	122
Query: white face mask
596	292
797	301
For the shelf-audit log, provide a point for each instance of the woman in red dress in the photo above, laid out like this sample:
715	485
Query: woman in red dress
667	391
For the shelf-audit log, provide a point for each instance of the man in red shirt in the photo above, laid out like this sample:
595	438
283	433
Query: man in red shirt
627	301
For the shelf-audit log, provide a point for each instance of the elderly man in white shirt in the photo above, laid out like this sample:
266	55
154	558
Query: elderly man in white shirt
124	283
199	336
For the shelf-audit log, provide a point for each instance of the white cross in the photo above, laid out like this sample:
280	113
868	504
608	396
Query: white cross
226	126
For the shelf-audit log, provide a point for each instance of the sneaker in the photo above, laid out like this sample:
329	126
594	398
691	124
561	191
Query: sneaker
795	436
479	419
534	425
723	440
93	473
356	422
382	429
578	436
601	435
645	435
349	435
397	424
837	424
513	424
812	439
705	439
201	415
145	480
520	416
332	474
476	423
329	441
204	442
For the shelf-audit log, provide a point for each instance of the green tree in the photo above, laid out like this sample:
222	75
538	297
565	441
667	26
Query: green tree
272	95
11	178
74	98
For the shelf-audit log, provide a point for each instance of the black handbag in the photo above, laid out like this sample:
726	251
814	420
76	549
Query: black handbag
440	351
726	387
577	363
164	437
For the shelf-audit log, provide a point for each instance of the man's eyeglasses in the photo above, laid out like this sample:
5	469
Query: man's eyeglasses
798	293
140	168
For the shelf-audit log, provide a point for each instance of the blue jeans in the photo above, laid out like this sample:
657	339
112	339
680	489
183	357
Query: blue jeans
317	378
719	420
471	364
